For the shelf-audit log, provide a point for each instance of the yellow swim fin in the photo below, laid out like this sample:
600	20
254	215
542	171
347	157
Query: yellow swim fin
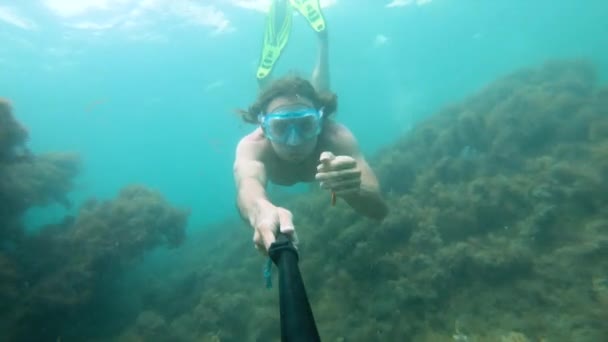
311	10
276	35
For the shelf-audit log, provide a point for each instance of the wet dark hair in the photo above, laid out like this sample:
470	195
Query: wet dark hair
290	86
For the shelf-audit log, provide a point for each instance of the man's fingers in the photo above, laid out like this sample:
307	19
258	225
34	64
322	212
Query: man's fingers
337	164
268	238
346	192
285	221
256	237
266	230
343	162
286	225
326	157
258	243
294	239
325	161
335	176
347	185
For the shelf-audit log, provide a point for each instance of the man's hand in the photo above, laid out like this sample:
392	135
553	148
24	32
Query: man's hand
271	219
339	174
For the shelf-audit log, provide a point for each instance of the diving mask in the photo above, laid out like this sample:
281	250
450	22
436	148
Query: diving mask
292	127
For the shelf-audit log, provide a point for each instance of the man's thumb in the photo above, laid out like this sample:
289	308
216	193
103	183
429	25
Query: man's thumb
326	157
285	221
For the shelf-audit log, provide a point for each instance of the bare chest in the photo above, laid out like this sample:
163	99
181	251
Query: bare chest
289	173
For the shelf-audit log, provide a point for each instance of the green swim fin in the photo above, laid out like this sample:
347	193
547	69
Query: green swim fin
276	35
311	10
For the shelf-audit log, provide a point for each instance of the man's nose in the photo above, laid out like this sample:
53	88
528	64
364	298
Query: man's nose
293	138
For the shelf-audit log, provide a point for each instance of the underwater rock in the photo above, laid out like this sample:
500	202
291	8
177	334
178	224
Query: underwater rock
48	278
13	135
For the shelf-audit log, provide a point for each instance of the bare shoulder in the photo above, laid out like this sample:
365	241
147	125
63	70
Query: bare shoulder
252	146
255	136
340	139
250	155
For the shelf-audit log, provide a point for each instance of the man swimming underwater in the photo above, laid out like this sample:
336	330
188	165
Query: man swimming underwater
296	141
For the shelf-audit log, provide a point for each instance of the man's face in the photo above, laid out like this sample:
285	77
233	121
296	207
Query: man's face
292	125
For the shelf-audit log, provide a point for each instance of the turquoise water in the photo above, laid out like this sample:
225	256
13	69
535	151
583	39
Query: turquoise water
144	91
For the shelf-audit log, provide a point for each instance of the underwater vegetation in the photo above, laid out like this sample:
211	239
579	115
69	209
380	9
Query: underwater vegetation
51	278
498	231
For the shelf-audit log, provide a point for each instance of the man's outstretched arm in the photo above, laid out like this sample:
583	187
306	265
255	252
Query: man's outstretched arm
250	180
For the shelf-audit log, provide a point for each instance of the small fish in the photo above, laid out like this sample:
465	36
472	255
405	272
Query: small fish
333	198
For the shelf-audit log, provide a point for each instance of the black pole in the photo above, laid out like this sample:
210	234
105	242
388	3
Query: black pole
297	320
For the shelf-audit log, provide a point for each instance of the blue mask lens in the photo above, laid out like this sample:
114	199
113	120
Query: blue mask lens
292	128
